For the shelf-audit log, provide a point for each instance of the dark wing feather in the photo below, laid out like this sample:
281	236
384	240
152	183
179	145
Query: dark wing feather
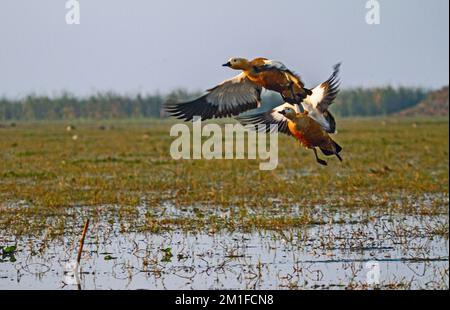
268	118
230	98
328	90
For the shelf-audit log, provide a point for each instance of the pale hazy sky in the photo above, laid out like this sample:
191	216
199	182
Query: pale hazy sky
146	46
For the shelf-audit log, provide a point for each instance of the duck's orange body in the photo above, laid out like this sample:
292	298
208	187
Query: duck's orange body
298	135
273	80
309	133
273	76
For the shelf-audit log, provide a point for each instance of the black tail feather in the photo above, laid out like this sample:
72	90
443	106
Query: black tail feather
337	148
327	152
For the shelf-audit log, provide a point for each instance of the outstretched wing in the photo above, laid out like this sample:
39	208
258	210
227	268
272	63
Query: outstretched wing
323	95
268	118
232	97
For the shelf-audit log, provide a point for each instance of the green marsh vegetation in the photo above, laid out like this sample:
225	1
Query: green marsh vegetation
49	169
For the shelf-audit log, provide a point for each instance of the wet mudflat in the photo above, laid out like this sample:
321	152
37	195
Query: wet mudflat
343	252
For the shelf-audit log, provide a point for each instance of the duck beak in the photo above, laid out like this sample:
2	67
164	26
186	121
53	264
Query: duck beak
282	112
228	64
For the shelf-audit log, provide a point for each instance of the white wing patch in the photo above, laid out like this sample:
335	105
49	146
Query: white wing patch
316	97
275	64
271	117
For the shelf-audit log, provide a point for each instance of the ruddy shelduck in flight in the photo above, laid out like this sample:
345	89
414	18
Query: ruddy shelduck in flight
243	92
316	104
312	127
310	134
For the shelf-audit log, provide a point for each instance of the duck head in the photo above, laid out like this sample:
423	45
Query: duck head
237	63
288	113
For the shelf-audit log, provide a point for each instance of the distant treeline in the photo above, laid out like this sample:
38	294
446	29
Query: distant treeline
353	102
376	101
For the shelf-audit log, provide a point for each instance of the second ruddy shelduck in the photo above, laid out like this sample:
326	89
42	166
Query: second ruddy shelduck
310	134
243	92
316	104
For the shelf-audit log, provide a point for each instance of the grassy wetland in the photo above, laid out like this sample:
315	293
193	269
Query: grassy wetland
159	223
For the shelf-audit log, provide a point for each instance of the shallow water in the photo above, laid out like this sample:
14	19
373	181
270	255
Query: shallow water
389	251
